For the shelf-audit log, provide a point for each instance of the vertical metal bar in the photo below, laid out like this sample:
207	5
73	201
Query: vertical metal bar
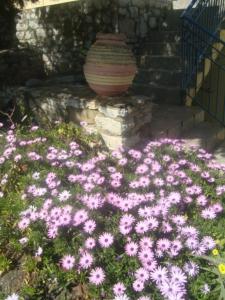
197	45
223	118
209	91
217	90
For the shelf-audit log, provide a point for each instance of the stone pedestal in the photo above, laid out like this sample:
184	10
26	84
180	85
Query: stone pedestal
119	120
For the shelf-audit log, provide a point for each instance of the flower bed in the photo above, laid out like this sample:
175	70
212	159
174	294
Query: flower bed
132	224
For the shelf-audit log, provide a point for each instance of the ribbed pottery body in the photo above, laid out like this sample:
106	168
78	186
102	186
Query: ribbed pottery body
110	65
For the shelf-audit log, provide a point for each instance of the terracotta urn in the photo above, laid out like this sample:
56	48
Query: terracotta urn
110	65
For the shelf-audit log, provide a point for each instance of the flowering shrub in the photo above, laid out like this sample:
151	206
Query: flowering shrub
123	225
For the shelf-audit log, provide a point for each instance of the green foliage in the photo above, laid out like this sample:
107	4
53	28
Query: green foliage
45	278
44	270
4	264
217	267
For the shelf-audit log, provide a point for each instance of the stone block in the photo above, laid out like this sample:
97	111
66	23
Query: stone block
140	3
50	103
124	3
125	106
152	22
13	280
134	12
33	24
127	26
81	115
21	26
157	12
28	35
115	126
143	27
114	111
82	103
47	109
122	11
114	142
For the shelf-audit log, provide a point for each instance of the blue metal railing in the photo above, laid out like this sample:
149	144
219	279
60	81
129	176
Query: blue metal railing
201	24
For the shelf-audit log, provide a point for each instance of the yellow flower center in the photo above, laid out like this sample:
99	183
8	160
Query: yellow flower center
215	252
221	268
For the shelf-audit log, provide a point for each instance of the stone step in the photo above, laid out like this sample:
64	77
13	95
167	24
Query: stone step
159	62
161	48
171	120
158	93
206	135
160	76
164	35
220	153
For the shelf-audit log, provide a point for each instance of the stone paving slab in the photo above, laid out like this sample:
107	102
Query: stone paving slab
220	153
171	120
207	135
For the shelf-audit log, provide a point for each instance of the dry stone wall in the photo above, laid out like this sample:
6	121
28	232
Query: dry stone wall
120	121
63	33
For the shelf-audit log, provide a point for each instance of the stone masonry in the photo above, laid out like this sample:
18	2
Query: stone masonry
63	33
119	120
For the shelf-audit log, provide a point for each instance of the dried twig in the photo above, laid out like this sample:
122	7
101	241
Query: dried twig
9	115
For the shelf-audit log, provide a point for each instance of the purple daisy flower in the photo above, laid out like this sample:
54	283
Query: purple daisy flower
191	269
67	262
106	240
119	289
97	276
159	275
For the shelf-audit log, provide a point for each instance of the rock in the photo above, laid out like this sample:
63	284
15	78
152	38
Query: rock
82	103
127	26
20	35
77	293
91	128
134	12
114	142
143	28
80	115
45	58
46	105
122	11
20	26
139	3
92	104
76	102
34	24
28	35
61	102
117	110
12	281
47	110
157	12
124	3
152	22
41	33
115	126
